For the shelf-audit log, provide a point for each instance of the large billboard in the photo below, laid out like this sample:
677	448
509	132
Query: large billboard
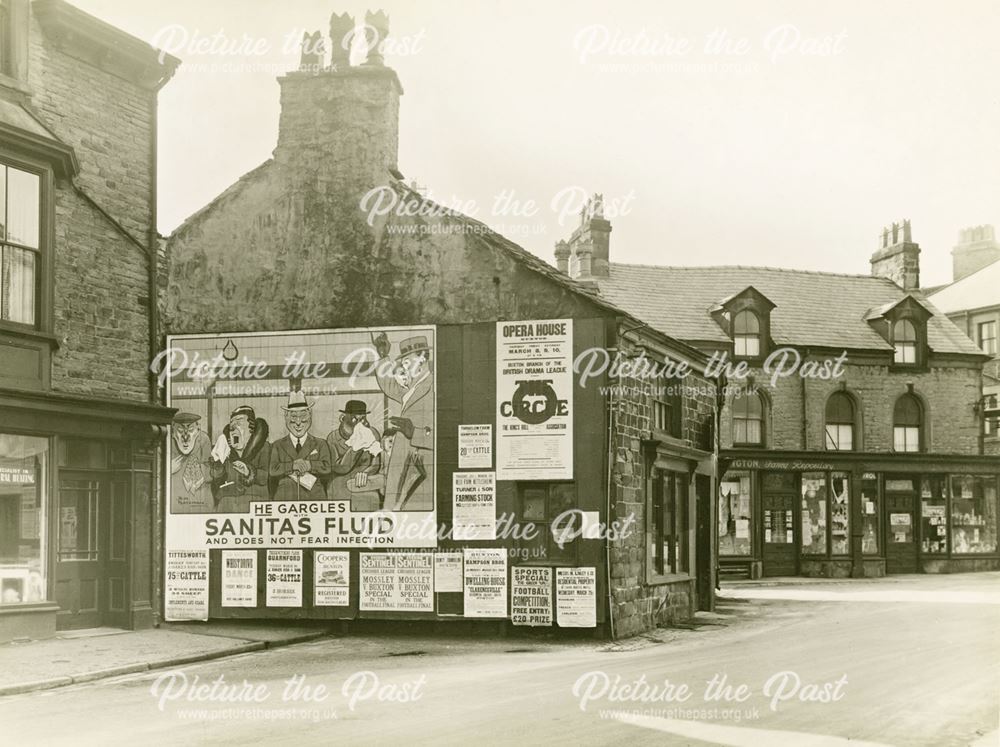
320	439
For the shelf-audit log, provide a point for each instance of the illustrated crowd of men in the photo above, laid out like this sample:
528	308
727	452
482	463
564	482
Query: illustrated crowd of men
354	462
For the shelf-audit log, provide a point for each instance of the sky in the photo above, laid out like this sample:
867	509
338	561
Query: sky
780	133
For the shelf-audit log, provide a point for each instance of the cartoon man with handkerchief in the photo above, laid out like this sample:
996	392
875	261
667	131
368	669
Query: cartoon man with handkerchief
357	457
300	464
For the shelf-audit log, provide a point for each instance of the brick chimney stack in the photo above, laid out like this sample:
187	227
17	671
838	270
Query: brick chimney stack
339	125
977	247
586	255
897	257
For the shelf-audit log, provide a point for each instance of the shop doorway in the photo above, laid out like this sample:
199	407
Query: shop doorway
92	550
780	557
900	523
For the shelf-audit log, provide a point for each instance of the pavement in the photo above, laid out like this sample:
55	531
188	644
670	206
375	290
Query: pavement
910	665
80	656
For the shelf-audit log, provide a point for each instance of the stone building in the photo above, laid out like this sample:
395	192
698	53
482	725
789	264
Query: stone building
78	320
972	302
325	247
850	433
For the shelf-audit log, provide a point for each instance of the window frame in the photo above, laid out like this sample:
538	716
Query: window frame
44	260
911	344
746	336
746	395
850	422
658	570
920	426
992	325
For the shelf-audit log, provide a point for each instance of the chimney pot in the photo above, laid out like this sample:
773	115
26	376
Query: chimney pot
341	38
562	257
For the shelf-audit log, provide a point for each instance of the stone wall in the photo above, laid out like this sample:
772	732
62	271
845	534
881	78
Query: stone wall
948	391
101	291
639	605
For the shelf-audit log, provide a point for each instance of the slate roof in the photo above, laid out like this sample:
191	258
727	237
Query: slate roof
812	308
975	291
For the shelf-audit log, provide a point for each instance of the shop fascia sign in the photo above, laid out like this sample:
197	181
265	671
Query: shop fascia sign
783	466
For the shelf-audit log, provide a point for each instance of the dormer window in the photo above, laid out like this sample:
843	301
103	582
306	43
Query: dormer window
904	340
746	318
746	335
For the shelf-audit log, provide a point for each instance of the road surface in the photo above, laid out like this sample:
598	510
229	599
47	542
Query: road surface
912	661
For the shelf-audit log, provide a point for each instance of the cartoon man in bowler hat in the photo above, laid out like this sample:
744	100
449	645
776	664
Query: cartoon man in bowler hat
300	463
357	454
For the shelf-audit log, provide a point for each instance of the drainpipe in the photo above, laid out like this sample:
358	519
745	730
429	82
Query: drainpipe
805	426
607	534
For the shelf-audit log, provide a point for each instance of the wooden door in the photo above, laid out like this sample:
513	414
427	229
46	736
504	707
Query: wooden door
900	524
780	556
92	549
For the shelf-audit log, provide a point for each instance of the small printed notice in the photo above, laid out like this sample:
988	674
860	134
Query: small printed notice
186	588
485	582
331	579
397	582
531	596
284	578
474	505
742	528
448	571
576	597
475	446
239	578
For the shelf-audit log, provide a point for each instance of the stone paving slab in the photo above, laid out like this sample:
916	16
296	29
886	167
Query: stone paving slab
82	657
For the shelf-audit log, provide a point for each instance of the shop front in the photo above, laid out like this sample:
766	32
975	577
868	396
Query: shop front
77	481
856	515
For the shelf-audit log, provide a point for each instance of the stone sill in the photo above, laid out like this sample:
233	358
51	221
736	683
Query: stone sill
673	578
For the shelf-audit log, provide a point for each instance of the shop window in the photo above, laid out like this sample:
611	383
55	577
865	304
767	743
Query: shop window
907	424
748	419
735	515
20	244
987	335
746	335
840	422
825	510
870	511
22	518
668	533
904	341
933	515
545	522
973	514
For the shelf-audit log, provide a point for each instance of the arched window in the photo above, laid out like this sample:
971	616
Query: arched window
748	419
907	424
746	335
840	422
904	339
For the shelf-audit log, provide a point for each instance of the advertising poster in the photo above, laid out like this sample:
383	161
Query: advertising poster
239	578
531	596
448	572
397	582
576	597
485	581
318	439
186	588
535	400
474	505
475	446
284	578
331	579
